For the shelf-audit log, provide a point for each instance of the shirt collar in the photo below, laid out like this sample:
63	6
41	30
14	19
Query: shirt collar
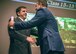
21	18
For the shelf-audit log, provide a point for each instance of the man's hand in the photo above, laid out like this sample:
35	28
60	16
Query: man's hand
11	23
30	39
33	38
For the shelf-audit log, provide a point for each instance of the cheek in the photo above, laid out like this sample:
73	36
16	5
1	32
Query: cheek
22	13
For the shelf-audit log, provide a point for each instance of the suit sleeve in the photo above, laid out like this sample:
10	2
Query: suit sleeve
39	18
16	35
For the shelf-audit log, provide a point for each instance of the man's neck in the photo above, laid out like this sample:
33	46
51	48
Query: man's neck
41	8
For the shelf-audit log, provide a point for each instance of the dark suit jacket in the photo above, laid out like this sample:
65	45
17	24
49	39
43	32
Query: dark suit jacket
18	42
49	38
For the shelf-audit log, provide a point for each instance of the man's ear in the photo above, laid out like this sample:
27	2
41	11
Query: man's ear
18	13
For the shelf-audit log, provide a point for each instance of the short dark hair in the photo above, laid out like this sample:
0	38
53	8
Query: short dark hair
43	2
19	9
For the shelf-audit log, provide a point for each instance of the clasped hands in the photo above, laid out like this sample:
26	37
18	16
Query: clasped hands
31	40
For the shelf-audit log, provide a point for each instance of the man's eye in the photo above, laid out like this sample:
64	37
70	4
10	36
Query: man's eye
23	11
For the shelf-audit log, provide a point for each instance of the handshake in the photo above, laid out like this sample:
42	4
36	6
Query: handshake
31	39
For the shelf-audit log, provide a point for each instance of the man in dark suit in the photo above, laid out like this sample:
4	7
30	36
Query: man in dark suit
49	38
20	40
